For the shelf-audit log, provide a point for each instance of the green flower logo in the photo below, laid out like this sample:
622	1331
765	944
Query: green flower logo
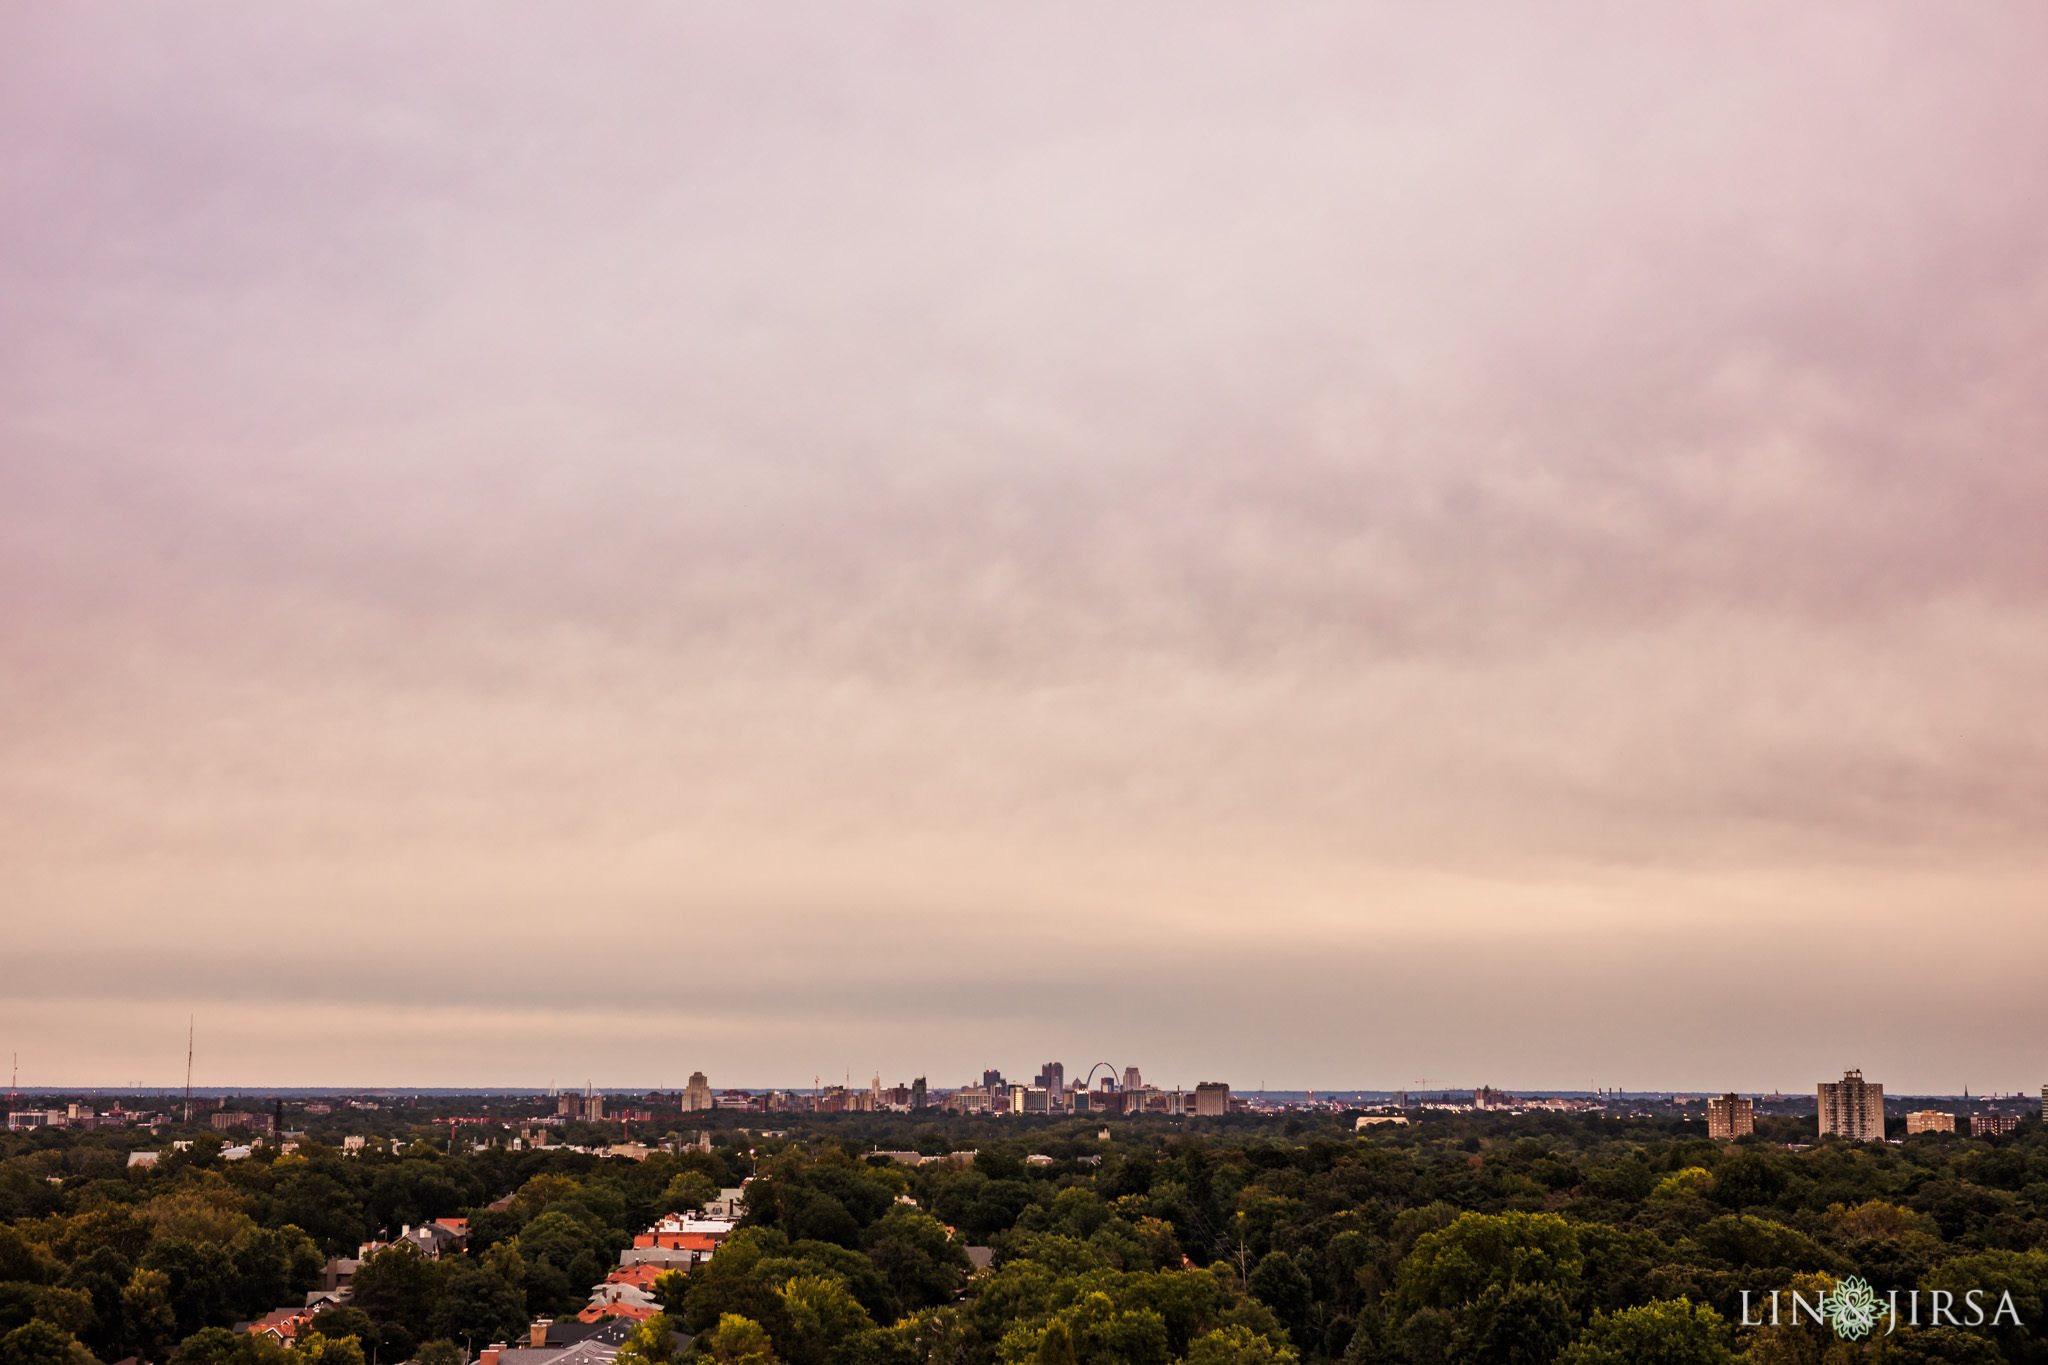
1853	1308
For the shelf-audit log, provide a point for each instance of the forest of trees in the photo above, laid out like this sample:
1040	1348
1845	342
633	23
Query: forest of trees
1476	1238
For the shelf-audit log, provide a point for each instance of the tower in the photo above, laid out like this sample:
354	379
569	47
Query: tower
1730	1117
1852	1108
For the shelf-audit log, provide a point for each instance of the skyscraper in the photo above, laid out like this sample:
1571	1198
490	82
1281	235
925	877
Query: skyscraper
698	1094
1730	1117
1852	1108
1132	1080
1053	1079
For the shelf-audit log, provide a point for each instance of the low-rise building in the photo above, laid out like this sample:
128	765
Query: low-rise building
224	1119
1991	1125
1929	1121
564	1343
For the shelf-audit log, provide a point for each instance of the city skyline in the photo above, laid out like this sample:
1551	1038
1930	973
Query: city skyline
1381	544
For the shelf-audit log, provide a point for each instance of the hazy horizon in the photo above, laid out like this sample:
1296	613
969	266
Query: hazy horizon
1360	541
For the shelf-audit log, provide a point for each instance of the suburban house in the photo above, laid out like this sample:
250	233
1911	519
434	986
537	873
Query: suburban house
564	1343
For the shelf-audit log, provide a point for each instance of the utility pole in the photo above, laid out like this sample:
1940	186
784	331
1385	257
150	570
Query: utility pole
190	1023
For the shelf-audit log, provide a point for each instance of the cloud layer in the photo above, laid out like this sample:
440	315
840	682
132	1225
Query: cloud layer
1335	551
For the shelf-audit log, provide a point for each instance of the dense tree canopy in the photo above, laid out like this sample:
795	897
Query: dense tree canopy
1481	1238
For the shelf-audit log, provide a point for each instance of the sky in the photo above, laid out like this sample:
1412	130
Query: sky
1351	546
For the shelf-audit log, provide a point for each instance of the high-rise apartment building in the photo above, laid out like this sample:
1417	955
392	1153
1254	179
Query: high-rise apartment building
917	1093
593	1107
1991	1125
1212	1098
697	1095
1730	1117
1852	1108
1929	1121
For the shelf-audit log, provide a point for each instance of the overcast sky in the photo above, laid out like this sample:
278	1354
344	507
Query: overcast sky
1337	546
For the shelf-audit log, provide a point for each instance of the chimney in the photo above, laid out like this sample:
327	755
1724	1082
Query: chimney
539	1336
490	1354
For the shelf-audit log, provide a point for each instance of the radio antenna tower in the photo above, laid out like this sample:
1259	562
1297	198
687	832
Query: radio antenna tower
189	1023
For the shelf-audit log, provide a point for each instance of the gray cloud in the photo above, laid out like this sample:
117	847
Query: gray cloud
938	481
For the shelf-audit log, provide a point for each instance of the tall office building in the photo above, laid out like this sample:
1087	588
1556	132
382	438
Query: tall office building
1852	1108
1212	1099
1730	1117
697	1095
917	1092
1132	1080
1053	1080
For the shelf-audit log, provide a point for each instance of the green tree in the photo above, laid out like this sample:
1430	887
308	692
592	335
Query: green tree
1663	1332
1237	1346
690	1190
563	1257
323	1350
1451	1268
727	1286
922	1263
1056	1347
738	1341
440	1351
275	1267
38	1343
653	1343
148	1321
201	1281
822	1315
1279	1283
346	1322
1515	1324
23	1260
399	1285
477	1306
210	1346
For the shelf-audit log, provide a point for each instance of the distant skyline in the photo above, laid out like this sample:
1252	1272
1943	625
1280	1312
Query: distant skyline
1335	1094
1365	541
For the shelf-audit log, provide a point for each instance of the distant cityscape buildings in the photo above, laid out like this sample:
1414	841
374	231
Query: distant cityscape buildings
1730	1117
1852	1108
